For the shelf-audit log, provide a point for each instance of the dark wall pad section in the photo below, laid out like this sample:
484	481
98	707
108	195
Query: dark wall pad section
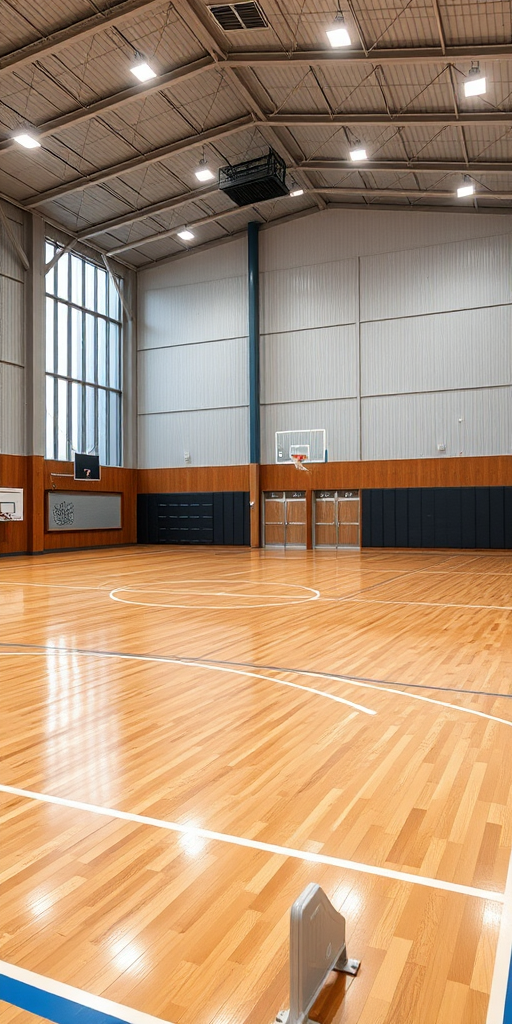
437	517
210	518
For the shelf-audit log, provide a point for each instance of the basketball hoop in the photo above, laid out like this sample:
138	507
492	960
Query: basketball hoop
299	459
6	517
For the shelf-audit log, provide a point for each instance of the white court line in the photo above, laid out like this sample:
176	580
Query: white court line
289	602
427	604
76	995
254	844
498	994
381	688
192	664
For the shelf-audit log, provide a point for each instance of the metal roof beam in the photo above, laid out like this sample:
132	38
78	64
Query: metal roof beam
435	166
119	99
412	55
153	156
367	193
71	33
399	120
147	211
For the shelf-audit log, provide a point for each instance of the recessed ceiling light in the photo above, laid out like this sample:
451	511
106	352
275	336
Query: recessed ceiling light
26	140
143	71
186	235
358	154
297	192
467	189
338	34
475	84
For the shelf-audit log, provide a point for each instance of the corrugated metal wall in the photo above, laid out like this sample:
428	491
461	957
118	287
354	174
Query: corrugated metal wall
193	361
390	330
12	340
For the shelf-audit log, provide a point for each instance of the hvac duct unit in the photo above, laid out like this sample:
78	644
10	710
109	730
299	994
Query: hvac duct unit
254	180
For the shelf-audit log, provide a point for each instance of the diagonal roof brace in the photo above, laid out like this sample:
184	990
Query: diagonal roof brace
153	156
63	37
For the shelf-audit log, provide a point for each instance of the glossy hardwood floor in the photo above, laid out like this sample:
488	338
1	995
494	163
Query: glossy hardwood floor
245	711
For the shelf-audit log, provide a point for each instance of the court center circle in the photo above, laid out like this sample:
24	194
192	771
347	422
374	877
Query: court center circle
197	594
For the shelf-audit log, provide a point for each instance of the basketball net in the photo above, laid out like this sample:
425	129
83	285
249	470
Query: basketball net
299	461
6	517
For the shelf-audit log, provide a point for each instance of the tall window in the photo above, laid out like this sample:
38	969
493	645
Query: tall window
83	360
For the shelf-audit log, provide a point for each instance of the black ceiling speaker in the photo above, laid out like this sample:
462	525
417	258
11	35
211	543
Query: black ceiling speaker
254	180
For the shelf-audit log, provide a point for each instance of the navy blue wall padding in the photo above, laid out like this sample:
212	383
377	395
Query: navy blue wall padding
437	517
507	517
447	517
496	517
414	505
193	518
468	517
427	518
401	519
483	523
388	519
377	519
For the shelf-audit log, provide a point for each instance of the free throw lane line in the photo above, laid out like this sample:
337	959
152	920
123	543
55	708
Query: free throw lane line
254	844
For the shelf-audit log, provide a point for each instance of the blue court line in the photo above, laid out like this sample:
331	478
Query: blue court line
51	1006
507	1016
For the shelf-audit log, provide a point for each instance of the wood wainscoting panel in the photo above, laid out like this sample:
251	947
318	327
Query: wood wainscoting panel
481	471
193	479
114	479
13	473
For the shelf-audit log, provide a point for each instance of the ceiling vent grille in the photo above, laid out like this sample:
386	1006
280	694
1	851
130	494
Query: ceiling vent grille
234	17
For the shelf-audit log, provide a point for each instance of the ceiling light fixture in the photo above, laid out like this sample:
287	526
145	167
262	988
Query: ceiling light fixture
358	154
467	189
475	84
186	235
143	71
296	192
337	34
203	172
26	140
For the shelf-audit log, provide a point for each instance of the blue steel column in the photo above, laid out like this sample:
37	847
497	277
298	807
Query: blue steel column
253	288
254	341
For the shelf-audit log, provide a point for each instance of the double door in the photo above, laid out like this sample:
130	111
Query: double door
336	519
284	519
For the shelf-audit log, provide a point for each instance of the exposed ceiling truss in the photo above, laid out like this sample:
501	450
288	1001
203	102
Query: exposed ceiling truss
400	92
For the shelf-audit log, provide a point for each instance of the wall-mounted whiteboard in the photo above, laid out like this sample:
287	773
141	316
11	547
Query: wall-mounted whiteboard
74	510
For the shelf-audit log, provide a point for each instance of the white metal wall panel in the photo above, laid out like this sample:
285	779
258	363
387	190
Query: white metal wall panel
338	234
222	261
12	410
308	296
475	422
10	265
215	437
184	315
466	349
12	333
304	366
338	418
206	376
458	275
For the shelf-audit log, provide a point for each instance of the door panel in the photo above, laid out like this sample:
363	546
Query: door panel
274	533
296	512
325	535
348	510
348	535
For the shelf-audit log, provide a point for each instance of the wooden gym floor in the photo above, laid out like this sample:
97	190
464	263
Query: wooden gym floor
223	726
